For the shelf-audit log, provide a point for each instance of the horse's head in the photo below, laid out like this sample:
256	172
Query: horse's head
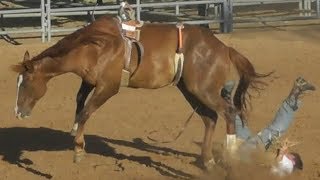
31	86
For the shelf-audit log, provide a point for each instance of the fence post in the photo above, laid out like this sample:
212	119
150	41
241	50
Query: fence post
301	7
1	21
177	10
306	7
216	10
223	17
230	15
48	8
318	8
43	21
227	17
138	10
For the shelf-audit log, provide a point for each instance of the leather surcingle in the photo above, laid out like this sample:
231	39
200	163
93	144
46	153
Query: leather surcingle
130	31
179	56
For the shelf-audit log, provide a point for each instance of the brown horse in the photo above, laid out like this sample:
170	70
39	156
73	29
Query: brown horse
215	77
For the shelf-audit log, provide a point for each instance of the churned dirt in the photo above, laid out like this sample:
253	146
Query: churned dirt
116	135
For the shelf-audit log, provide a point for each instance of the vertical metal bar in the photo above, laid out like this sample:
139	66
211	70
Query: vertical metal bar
221	17
219	9
138	10
43	22
227	17
49	19
309	7
301	7
304	7
2	22
230	16
215	10
318	8
224	17
177	9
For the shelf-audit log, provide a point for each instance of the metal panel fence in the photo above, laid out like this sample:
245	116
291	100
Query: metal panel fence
224	20
46	13
23	13
223	13
304	7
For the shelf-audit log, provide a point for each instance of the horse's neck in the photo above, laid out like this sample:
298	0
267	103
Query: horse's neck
53	67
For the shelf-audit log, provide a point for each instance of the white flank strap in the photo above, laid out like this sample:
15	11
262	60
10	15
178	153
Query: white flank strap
128	27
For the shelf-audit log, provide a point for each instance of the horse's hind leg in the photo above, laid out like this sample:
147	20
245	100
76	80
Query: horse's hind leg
210	95
228	93
82	95
224	106
209	118
98	98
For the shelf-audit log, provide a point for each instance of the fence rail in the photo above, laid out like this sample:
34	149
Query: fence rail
224	19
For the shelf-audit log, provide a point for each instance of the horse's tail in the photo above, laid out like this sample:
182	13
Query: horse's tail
249	78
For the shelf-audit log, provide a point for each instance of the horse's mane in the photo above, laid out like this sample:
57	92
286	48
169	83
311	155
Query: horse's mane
63	46
86	35
91	34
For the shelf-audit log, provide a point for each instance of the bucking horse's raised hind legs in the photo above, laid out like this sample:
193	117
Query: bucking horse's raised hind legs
209	110
209	118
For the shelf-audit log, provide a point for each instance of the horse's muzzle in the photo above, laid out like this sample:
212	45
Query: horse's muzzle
21	116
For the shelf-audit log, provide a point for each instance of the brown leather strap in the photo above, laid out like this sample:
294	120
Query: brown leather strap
179	57
140	48
127	56
180	37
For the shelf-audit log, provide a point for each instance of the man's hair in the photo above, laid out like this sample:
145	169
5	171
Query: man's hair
298	161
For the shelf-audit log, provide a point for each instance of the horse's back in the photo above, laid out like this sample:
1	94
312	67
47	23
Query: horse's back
160	42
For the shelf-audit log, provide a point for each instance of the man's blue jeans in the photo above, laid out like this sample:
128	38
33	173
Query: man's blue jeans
281	122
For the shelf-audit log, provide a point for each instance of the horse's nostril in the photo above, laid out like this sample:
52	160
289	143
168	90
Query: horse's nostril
19	116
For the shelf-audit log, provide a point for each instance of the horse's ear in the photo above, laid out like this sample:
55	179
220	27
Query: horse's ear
23	67
29	66
26	56
18	68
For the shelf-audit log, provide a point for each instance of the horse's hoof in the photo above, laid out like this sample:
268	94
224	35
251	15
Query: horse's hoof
78	157
73	132
74	129
209	165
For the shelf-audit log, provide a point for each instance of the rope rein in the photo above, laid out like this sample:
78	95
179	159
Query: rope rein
180	132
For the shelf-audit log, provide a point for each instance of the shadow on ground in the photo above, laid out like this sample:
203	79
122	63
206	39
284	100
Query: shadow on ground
18	139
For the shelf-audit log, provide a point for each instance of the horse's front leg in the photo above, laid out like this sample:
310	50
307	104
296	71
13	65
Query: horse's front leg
82	95
209	118
98	98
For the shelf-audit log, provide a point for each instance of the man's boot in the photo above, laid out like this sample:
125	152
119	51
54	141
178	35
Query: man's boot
299	87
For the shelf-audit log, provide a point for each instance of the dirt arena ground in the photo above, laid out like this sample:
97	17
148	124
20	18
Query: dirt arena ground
117	145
